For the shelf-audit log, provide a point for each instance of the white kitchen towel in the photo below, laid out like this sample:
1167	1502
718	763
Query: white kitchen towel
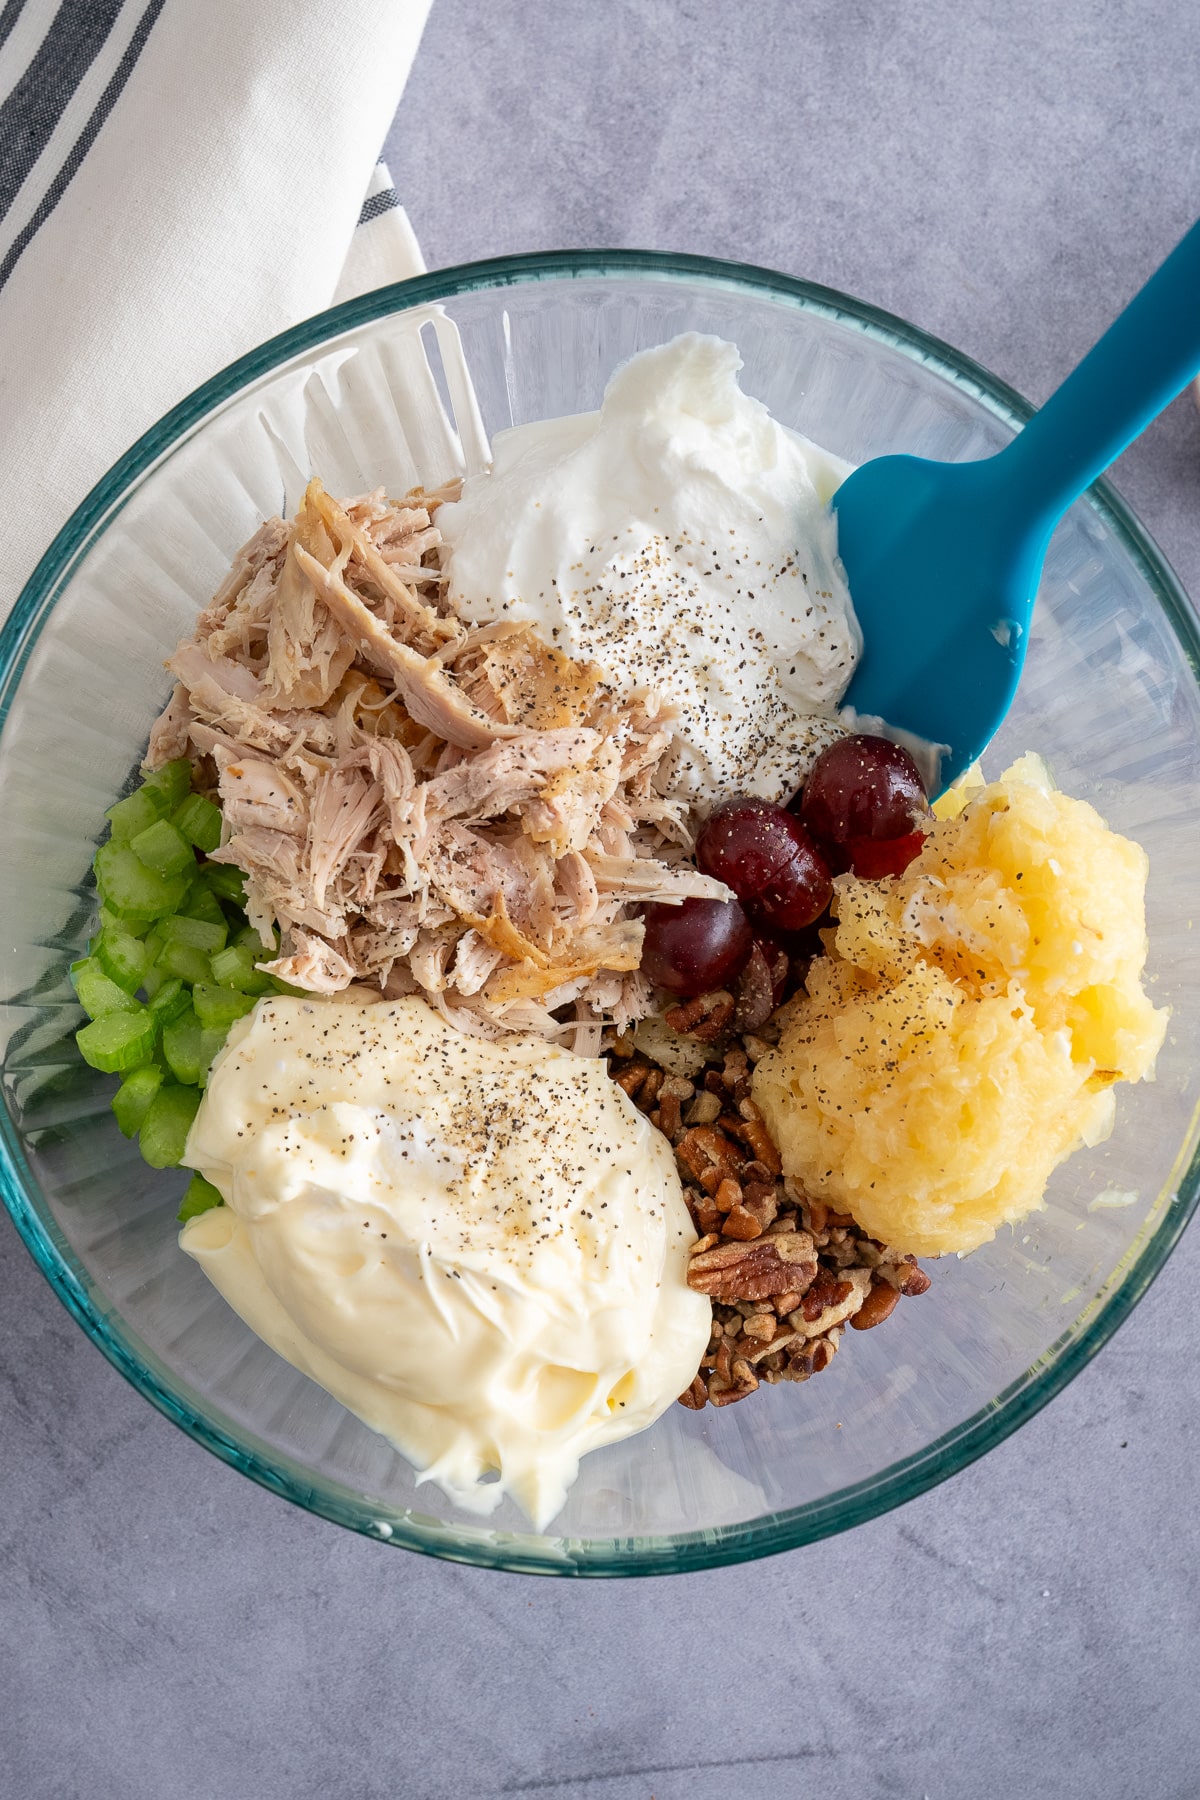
178	181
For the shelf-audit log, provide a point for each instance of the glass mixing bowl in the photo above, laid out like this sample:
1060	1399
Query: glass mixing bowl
362	395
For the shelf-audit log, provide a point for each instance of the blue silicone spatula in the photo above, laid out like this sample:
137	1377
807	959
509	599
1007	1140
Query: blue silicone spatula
943	559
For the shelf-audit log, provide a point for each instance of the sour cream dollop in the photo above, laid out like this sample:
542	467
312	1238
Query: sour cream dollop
682	539
479	1248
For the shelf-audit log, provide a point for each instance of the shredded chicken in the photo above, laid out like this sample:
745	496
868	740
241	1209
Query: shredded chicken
417	805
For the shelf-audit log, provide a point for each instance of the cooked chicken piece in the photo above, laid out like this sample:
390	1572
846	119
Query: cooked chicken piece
419	805
313	964
172	729
256	792
641	879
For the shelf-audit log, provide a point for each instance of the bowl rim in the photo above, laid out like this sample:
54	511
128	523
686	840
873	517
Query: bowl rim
532	1553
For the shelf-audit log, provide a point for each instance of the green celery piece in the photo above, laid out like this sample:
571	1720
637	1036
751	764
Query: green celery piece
163	848
109	919
129	888
285	987
135	813
152	980
210	1043
122	956
118	1041
199	934
200	1196
226	882
97	993
191	965
171	782
202	903
218	1007
249	936
170	999
163	1136
131	1102
234	967
181	1047
200	822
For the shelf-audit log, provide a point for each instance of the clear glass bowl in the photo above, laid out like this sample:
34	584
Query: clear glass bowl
1110	698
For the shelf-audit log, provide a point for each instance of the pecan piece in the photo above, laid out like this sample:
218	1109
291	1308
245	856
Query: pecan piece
695	1396
705	1017
913	1280
755	1270
630	1078
755	993
741	1223
880	1303
704	1148
825	1291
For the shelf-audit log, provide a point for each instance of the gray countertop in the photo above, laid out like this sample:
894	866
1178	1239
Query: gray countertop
1005	176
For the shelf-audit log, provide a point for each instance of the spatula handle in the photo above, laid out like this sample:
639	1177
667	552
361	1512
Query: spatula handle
1137	368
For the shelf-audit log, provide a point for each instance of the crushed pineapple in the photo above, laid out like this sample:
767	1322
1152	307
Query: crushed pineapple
963	1035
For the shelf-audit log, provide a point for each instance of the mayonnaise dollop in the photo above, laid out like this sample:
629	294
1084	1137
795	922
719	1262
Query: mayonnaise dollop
480	1248
682	539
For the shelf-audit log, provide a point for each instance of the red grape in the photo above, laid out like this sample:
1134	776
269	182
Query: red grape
696	947
872	858
863	787
769	859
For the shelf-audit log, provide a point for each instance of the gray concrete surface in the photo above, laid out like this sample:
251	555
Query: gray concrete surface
1005	174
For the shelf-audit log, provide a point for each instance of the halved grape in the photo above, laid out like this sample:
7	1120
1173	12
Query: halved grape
872	859
746	842
696	947
798	893
863	787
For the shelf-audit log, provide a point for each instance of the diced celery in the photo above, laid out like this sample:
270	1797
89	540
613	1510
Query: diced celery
129	888
117	1042
163	848
251	939
200	1196
163	1136
234	967
135	813
109	919
97	993
122	956
181	1047
172	782
285	987
184	960
170	999
200	822
202	903
152	980
131	1102
201	934
210	1043
218	1007
226	882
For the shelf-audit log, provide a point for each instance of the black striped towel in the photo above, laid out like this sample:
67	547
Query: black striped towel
177	183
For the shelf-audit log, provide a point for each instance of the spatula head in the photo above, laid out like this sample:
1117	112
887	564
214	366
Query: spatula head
943	590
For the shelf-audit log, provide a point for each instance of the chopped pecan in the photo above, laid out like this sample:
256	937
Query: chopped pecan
881	1301
913	1280
755	993
728	1194
825	1291
741	1223
756	1270
705	1017
695	1396
670	1115
704	1110
760	1325
631	1077
705	1147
